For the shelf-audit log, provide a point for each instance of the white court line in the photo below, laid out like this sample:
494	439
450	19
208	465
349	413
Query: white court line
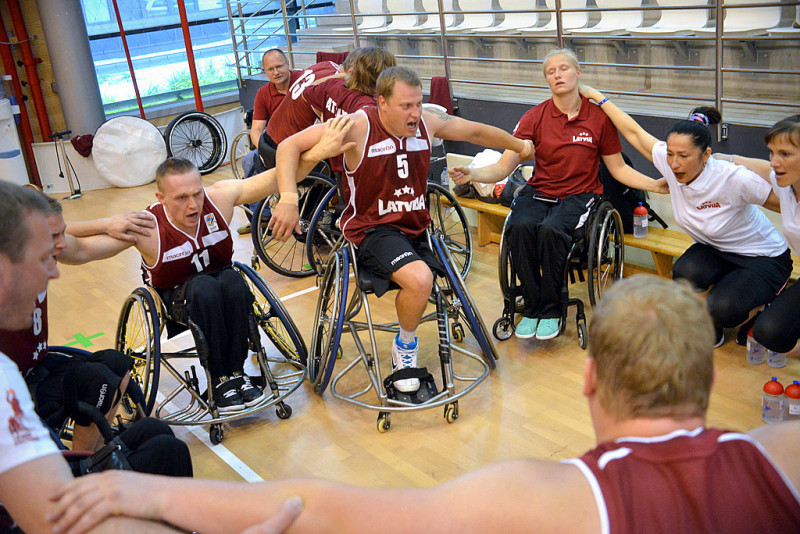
220	450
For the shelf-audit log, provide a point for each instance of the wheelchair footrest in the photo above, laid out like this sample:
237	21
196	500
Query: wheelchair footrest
427	387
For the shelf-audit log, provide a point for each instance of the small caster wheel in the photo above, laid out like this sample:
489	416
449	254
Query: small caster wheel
255	263
458	332
216	434
283	410
503	328
339	353
383	422
582	334
451	412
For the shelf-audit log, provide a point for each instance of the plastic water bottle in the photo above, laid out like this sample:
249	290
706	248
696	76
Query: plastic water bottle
792	401
640	221
776	359
444	179
772	402
755	350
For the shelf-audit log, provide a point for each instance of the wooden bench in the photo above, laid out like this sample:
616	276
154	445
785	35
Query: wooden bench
664	244
490	219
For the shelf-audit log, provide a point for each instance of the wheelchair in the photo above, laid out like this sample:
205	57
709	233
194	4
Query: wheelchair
447	220
597	248
280	352
454	307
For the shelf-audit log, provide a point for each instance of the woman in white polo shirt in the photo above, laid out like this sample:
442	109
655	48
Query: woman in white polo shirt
778	327
738	256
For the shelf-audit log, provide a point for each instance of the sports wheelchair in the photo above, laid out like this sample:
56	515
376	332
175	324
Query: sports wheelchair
281	360
597	248
335	315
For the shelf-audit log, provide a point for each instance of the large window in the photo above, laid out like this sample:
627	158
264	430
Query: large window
156	44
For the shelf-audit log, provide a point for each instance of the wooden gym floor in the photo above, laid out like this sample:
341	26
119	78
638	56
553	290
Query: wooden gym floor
531	405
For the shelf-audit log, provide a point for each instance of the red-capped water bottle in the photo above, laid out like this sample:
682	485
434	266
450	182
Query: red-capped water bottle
792	393
756	353
640	221
772	402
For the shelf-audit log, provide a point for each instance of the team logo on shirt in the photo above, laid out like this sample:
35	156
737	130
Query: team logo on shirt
386	146
706	205
583	137
211	222
16	424
396	206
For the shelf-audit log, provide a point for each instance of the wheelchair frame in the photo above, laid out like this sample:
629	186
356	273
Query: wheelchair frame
288	257
601	254
139	330
335	316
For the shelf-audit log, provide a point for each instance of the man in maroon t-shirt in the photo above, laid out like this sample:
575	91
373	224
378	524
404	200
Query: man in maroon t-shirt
270	96
387	217
571	135
656	467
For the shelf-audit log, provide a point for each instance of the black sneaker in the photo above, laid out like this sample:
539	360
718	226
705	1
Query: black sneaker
251	395
741	336
719	334
227	396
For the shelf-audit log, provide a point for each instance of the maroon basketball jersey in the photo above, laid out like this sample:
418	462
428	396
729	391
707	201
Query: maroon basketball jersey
294	113
181	256
28	347
331	98
689	481
387	187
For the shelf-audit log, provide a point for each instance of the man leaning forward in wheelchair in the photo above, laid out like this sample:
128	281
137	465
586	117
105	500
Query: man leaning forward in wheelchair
386	170
188	260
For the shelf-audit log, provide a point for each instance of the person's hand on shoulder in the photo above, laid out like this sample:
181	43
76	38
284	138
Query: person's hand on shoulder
590	92
129	226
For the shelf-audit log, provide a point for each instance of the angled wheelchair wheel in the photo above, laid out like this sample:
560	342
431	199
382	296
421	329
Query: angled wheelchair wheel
289	258
467	309
240	147
273	318
448	221
329	320
198	137
504	267
139	336
606	252
324	234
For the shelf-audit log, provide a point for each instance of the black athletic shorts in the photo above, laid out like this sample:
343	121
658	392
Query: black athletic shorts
385	249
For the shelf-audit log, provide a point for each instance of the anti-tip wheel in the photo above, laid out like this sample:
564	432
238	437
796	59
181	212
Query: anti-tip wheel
451	412
383	422
503	329
582	338
216	434
458	332
283	410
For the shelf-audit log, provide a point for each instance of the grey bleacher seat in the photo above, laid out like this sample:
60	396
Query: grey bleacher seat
747	21
571	20
676	21
400	23
614	22
368	7
474	20
788	31
513	22
432	23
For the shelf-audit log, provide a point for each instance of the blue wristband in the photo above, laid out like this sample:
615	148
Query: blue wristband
602	101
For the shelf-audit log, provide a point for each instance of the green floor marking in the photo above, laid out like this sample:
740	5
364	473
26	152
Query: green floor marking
84	341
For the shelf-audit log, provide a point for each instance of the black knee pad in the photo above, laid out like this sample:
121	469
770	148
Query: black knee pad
143	430
119	363
93	383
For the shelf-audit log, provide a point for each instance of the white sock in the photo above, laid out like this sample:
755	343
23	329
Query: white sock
407	336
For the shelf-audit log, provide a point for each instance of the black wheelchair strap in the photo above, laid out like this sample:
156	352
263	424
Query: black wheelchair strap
403	374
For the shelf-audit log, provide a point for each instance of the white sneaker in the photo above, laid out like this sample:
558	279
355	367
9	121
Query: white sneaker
404	356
